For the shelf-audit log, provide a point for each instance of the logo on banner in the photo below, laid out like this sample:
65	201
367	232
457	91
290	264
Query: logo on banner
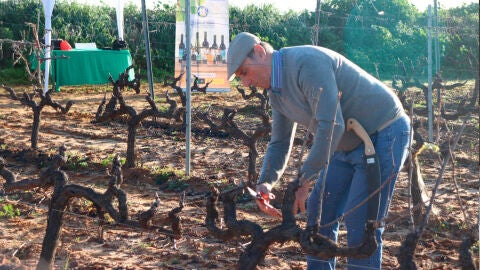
202	11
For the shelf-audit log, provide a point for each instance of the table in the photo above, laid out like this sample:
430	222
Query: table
88	66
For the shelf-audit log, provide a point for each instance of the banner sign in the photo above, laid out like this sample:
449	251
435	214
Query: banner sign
209	32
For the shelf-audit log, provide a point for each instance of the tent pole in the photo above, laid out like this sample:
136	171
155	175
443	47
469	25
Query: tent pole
147	49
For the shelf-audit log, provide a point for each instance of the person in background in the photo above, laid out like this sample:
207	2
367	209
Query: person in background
293	77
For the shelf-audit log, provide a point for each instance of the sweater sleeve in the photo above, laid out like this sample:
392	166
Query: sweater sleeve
314	77
278	149
321	151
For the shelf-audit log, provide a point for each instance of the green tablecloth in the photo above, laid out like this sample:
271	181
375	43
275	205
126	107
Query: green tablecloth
88	66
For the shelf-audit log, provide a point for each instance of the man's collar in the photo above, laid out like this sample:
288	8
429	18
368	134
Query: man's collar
277	66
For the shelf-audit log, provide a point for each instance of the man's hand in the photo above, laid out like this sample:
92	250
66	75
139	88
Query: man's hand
263	202
301	195
300	198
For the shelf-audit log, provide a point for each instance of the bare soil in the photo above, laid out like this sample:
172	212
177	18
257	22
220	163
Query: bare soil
216	160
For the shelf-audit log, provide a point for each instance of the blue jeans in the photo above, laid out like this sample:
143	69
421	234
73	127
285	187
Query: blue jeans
346	187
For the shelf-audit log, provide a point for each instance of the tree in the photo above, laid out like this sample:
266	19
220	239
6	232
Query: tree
374	34
460	57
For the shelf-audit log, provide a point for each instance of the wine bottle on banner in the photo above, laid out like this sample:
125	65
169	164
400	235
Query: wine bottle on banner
197	48
181	50
193	53
214	49
223	50
205	47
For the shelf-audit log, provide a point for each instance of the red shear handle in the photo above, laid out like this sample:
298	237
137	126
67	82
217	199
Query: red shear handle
263	202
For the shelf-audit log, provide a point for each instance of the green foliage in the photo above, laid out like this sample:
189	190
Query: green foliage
13	76
107	161
76	161
163	175
270	25
174	179
375	39
177	185
460	41
8	211
356	28
83	23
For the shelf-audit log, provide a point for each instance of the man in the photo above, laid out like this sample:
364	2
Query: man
294	76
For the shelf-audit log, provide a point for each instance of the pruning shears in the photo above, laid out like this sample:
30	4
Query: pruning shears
264	199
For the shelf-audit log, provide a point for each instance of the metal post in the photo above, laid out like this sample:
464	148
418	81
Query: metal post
147	49
188	120
316	29
429	94
436	42
48	9
38	53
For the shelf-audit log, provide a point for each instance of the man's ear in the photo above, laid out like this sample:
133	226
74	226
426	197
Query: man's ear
259	50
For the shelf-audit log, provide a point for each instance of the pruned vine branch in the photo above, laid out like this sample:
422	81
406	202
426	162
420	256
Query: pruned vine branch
309	239
117	107
173	82
54	177
249	139
407	249
37	107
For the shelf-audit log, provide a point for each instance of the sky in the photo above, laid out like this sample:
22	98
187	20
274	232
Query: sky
297	5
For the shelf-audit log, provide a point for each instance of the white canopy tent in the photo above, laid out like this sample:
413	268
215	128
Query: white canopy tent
48	10
119	10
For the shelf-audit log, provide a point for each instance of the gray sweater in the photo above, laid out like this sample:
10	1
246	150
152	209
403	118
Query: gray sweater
306	69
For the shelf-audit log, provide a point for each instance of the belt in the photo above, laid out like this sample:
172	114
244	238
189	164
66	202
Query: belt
389	122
